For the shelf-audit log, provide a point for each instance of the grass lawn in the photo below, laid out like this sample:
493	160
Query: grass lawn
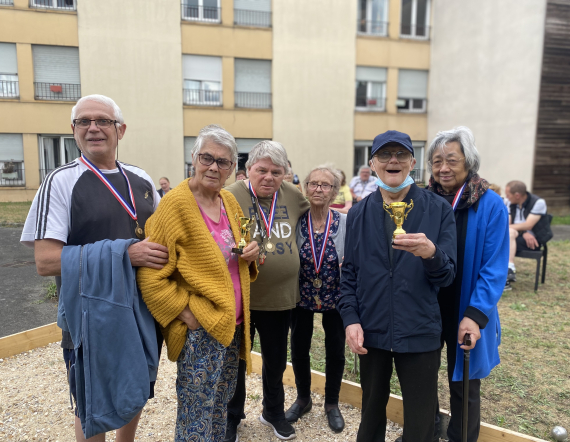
14	212
529	391
561	220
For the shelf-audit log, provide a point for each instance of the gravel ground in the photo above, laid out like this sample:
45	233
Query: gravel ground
34	405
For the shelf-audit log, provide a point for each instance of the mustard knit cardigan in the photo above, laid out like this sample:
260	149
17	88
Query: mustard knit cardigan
196	275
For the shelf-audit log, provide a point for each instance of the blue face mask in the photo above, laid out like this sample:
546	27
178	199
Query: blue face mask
409	180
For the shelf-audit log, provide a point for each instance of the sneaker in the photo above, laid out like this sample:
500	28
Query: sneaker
511	276
231	430
281	428
507	287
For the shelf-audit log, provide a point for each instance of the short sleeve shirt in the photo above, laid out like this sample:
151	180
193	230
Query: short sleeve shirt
363	188
343	196
539	208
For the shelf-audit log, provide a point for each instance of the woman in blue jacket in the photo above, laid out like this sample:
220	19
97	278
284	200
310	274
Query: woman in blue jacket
388	300
469	304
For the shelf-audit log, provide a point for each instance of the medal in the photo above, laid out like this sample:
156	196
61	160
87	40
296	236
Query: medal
318	255
318	301
261	259
269	246
268	223
132	211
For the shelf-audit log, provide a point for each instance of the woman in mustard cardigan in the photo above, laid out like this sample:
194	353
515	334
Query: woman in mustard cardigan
201	297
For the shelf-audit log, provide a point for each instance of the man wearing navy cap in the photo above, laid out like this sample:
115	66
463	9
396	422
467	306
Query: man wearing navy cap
388	300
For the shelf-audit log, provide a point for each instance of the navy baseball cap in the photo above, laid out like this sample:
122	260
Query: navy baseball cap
392	136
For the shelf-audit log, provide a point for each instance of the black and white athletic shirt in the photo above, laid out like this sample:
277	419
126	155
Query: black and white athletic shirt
73	206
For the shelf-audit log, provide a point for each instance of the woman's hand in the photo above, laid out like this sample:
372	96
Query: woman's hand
415	243
250	252
468	325
188	318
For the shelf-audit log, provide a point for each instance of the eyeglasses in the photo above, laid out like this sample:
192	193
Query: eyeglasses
401	156
451	162
84	123
313	185
207	160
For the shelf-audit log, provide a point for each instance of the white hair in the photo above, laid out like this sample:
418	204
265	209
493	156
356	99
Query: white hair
364	166
215	134
466	140
117	114
268	149
336	176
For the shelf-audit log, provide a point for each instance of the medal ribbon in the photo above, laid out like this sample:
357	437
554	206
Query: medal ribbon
132	211
268	224
458	196
318	256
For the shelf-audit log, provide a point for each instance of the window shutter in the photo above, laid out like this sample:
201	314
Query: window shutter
252	75
11	147
188	146
246	144
412	84
8	59
253	5
201	67
366	73
56	64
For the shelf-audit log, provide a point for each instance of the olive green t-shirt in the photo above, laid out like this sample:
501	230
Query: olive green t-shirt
277	285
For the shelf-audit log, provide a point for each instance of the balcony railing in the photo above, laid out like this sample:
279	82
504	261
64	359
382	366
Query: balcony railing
202	97
418	105
12	174
377	104
6	2
9	89
200	13
371	27
260	19
253	100
57	91
421	32
418	175
67	5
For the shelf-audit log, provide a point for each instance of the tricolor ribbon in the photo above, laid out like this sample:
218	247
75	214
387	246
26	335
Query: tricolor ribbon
268	223
318	256
458	196
132	211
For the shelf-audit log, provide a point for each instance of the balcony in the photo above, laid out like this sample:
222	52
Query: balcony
9	89
66	5
418	32
418	175
253	100
258	19
202	97
412	105
192	12
372	104
12	174
57	91
371	27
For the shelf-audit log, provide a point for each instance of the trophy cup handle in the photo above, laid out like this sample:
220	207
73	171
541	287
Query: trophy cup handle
409	207
386	207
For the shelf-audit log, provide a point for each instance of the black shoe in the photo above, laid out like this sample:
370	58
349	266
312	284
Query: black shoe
295	412
336	421
511	276
507	287
231	429
281	428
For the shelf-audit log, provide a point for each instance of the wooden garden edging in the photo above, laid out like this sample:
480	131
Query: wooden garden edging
350	392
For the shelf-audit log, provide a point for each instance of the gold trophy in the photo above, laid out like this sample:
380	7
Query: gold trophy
245	224
399	215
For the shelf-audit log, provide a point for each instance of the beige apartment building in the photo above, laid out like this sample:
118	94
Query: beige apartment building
323	77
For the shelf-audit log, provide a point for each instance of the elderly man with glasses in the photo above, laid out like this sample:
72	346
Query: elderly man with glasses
363	184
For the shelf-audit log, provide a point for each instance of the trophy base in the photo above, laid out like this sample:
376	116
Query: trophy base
237	250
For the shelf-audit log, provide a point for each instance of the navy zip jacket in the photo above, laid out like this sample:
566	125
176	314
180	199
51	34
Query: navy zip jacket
396	304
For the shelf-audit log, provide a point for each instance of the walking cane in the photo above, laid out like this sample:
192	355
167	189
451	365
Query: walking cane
466	354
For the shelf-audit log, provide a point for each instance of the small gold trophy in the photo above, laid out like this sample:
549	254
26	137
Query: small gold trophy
245	224
399	215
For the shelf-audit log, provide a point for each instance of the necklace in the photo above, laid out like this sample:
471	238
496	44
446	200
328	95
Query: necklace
318	228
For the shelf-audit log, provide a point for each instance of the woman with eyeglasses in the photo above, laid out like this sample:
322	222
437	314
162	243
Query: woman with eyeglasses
201	297
320	240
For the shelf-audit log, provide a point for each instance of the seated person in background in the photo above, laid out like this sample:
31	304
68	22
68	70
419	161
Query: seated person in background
343	201
364	184
164	186
240	175
529	227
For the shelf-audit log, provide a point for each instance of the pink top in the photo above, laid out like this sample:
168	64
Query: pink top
222	234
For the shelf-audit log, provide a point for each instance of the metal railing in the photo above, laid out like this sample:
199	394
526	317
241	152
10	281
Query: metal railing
57	91
372	27
67	5
6	2
418	175
12	174
371	103
420	32
253	100
202	97
260	19
9	89
200	13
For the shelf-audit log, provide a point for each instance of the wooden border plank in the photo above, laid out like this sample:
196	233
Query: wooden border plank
29	339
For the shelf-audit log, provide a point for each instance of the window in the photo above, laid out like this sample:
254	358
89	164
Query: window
188	146
6	2
12	160
253	83
56	151
412	90
201	10
9	87
373	17
53	4
244	146
415	19
370	88
202	80
418	174
252	13
362	150
56	73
